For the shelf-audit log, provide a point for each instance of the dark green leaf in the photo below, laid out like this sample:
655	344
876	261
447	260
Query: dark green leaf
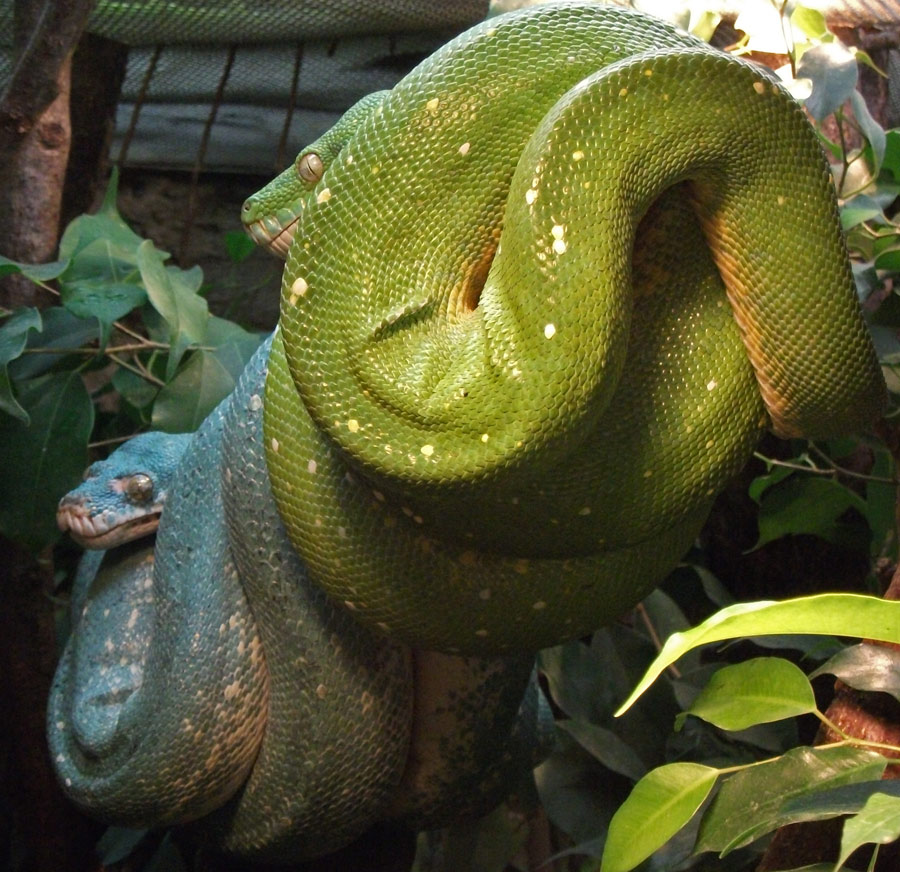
809	504
238	245
42	461
866	667
748	804
195	391
117	843
13	338
877	822
872	130
173	293
860	208
37	272
891	163
486	844
845	799
167	858
136	390
662	802
832	71
105	300
605	746
756	691
61	329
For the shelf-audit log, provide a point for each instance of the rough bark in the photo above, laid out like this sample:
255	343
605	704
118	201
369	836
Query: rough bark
35	134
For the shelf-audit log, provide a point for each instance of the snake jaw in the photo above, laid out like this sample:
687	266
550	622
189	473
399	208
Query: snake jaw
272	236
94	532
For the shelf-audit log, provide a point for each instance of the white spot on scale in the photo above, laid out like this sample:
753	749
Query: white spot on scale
353	425
481	633
132	618
274	444
540	604
464	148
759	87
484	594
559	246
427	450
578	155
254	404
711	385
780	200
484	437
549	331
432	104
558	231
324	195
311	467
586	510
530	196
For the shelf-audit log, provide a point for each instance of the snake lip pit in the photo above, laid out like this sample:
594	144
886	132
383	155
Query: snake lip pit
93	533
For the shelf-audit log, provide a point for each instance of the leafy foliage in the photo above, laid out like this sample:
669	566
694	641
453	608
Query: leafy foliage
130	343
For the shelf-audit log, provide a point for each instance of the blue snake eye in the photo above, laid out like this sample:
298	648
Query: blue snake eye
139	487
309	167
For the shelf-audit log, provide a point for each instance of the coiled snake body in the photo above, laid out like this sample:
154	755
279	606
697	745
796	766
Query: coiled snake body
540	302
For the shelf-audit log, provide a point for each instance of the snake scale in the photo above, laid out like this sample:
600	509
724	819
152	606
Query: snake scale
540	301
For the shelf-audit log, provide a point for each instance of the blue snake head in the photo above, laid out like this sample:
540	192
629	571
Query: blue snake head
121	498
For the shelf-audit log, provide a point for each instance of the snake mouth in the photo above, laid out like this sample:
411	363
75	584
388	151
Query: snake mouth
93	533
272	235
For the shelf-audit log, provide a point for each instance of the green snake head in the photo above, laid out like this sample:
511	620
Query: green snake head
270	215
121	498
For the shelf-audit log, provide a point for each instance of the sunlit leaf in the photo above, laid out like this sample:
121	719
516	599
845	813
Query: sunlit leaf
843	614
755	691
13	338
748	803
41	461
662	802
877	822
866	667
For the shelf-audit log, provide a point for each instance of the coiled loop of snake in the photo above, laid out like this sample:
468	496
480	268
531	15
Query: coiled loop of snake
504	315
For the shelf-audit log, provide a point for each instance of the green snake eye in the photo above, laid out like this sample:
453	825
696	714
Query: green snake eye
139	487
310	167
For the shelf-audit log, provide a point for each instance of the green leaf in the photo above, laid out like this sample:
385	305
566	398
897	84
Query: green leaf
136	390
195	391
841	800
832	70
117	843
173	293
860	208
843	614
662	802
810	22
871	129
13	338
757	691
809	504
100	298
748	804
238	245
614	753
37	272
866	667
61	329
878	822
41	461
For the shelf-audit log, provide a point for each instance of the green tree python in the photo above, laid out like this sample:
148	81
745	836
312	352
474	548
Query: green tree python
540	301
